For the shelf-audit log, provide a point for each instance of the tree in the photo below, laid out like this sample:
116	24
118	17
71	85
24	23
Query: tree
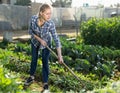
23	2
61	3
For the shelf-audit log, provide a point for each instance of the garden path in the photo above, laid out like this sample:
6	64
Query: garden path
23	34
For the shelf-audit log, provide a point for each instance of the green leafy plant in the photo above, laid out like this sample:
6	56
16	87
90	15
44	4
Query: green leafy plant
94	65
104	32
9	82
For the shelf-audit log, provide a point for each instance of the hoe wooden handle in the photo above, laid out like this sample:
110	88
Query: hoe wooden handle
63	63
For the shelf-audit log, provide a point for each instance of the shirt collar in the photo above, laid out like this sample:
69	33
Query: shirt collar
45	24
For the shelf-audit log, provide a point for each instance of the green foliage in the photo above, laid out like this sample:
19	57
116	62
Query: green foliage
110	88
9	82
15	59
82	64
3	44
104	32
23	2
67	82
89	58
22	47
94	65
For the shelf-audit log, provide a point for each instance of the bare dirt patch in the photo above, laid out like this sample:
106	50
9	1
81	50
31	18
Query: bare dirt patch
23	34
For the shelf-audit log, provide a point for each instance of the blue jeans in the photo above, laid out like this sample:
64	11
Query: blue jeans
45	58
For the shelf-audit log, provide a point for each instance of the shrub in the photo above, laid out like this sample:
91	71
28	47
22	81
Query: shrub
104	32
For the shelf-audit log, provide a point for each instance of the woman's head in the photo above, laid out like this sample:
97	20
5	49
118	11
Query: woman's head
45	12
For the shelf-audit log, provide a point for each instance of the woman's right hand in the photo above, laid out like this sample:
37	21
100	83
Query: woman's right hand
43	42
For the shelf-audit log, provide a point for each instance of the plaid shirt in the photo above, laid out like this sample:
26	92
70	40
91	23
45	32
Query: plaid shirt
46	32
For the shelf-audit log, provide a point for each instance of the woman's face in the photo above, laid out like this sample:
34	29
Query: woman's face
46	15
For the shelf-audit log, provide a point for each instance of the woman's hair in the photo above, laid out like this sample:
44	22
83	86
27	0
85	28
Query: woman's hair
44	7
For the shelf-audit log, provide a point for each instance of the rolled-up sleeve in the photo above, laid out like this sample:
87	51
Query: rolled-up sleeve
55	35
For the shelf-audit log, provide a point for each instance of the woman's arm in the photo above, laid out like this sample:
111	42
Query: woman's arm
60	58
59	52
57	41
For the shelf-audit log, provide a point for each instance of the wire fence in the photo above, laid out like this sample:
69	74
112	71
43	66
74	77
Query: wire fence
13	17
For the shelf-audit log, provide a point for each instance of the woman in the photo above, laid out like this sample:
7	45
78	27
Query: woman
42	30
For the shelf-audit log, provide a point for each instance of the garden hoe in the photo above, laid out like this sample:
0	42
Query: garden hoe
63	64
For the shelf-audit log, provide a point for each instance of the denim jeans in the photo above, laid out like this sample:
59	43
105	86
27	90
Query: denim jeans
45	58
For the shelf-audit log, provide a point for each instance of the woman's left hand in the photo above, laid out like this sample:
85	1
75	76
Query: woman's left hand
60	59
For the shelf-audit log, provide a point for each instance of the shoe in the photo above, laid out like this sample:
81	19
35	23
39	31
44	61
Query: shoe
45	87
29	80
46	91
